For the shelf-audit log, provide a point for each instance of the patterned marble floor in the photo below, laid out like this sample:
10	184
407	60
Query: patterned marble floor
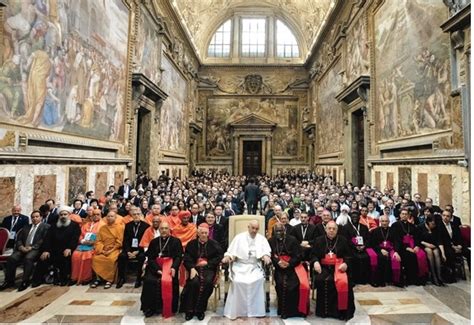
80	304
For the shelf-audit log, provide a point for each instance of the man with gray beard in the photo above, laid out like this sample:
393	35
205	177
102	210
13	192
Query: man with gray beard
58	247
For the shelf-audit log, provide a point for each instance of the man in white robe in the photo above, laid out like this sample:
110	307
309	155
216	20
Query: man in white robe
246	297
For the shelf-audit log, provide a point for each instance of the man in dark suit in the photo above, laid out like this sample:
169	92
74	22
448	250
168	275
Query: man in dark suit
52	208
419	204
131	251
195	217
14	223
125	188
48	217
450	236
27	250
305	233
252	193
454	219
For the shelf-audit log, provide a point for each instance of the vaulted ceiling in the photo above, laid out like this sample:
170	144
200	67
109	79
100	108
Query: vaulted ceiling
200	18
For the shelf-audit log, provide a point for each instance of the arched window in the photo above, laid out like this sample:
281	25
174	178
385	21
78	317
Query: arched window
220	42
287	47
253	37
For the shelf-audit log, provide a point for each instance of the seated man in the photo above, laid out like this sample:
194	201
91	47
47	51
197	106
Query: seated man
107	249
27	250
450	237
414	260
82	256
385	245
160	292
59	244
14	223
305	235
131	250
150	233
291	278
335	297
201	259
246	297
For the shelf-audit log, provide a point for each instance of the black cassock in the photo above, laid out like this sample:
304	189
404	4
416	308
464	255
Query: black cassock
359	262
286	281
197	291
378	236
409	259
327	296
151	298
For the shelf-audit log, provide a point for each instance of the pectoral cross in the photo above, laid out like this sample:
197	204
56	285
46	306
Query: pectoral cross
330	254
384	243
159	255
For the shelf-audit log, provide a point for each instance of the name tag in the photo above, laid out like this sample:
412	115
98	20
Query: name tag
135	243
360	240
88	236
12	235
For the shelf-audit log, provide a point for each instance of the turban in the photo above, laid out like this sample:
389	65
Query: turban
184	214
65	208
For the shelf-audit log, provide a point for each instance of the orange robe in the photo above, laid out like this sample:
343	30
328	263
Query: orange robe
149	234
149	218
185	233
369	222
128	218
82	257
273	221
118	220
109	238
76	218
171	220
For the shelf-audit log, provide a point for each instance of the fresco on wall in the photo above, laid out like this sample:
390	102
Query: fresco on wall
221	112
173	115
7	193
357	51
44	188
147	48
63	66
412	69
330	123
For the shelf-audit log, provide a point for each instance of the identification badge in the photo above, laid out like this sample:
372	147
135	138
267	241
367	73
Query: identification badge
135	243
88	236
360	240
12	235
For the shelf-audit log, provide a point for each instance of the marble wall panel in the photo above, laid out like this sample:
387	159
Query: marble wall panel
377	180
404	180
101	185
423	185
118	179
44	188
389	180
445	190
7	193
77	182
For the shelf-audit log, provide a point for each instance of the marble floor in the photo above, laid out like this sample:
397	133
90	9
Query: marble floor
81	304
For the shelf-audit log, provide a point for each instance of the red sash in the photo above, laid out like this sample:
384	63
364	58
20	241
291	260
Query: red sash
340	279
302	275
420	255
166	285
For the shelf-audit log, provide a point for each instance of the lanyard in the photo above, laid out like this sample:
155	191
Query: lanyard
14	223
385	237
304	230
92	226
135	231
356	229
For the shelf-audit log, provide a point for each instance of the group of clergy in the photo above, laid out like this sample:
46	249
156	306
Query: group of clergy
169	251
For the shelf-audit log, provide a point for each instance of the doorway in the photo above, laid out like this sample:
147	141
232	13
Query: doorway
143	140
358	148
252	158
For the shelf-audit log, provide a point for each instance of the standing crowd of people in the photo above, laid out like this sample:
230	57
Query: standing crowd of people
174	233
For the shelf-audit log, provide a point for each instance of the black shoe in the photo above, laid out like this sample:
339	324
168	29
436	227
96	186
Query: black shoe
138	284
149	313
23	286
188	316
35	284
200	316
120	283
6	285
71	283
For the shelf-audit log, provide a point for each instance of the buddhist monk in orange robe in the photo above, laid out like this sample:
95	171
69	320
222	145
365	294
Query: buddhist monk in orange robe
172	219
185	232
151	233
155	211
107	249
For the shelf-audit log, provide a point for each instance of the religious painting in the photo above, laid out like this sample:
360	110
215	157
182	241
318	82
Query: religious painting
7	193
77	182
101	185
330	123
222	111
147	48
404	180
44	188
412	69
173	122
357	63
64	66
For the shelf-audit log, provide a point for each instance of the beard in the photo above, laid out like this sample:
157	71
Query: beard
63	223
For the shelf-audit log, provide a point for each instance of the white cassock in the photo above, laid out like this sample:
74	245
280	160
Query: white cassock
246	297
